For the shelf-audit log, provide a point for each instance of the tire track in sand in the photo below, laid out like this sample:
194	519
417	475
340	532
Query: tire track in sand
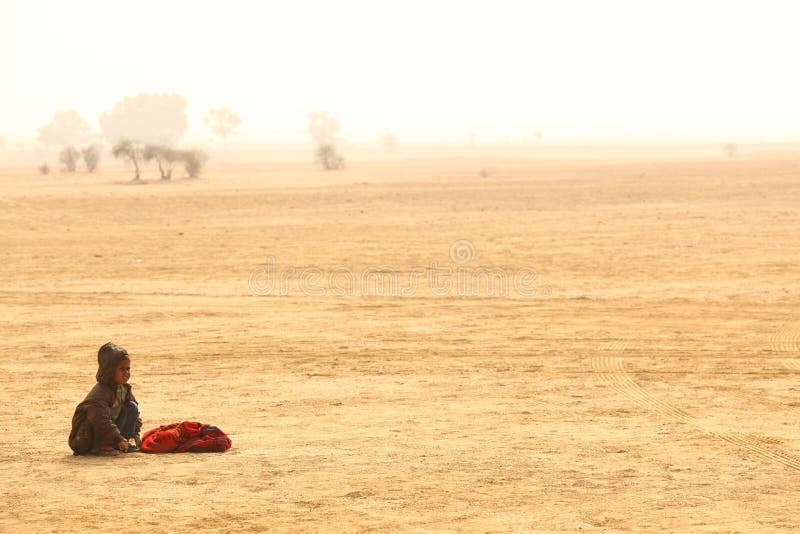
786	340
759	448
610	367
611	370
794	365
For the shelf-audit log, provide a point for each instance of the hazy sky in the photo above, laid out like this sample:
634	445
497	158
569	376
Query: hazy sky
428	71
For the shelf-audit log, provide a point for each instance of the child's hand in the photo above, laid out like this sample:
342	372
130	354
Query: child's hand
123	445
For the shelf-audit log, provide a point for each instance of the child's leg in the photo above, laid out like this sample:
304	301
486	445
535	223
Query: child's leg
126	422
100	442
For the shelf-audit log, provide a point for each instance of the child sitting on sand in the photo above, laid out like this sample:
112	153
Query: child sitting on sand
109	416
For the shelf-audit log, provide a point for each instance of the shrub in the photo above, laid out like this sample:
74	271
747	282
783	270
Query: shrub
324	129
69	156
91	157
193	162
329	158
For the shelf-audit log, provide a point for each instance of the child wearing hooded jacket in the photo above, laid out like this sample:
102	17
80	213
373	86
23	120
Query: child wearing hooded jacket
108	418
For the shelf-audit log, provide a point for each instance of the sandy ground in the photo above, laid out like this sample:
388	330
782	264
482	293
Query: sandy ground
645	379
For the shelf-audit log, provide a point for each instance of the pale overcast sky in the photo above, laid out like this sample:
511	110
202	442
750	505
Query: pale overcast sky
428	71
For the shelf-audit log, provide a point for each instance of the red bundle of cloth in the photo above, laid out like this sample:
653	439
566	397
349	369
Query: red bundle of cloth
187	436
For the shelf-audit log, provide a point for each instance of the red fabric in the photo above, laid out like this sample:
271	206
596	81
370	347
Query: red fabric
187	436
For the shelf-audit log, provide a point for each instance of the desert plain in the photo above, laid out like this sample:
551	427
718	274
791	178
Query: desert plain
634	367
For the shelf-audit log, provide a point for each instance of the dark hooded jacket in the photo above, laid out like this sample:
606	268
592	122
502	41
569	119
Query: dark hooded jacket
93	415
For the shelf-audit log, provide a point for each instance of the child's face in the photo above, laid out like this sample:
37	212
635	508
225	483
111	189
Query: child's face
123	372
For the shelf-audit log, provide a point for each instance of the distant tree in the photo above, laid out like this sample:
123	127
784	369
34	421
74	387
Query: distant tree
158	119
389	141
193	161
324	128
91	157
329	158
729	149
43	169
222	122
69	156
131	151
66	128
165	157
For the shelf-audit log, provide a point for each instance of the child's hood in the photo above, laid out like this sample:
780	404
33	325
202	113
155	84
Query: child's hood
108	357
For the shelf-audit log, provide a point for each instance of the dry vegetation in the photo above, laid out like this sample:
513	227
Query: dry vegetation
656	388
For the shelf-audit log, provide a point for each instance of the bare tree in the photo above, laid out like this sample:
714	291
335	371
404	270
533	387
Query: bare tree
729	149
149	117
91	157
222	122
329	158
131	151
165	157
324	128
43	169
66	128
193	161
69	156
